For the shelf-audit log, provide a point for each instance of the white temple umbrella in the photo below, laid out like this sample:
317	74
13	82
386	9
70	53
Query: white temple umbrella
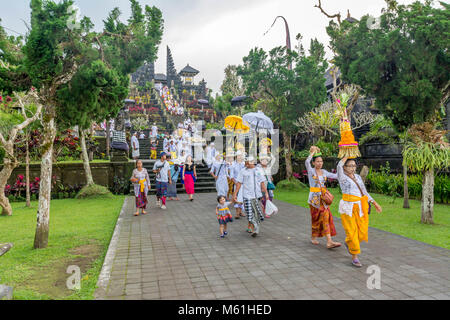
258	121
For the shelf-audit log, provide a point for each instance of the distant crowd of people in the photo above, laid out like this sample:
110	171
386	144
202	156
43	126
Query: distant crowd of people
172	106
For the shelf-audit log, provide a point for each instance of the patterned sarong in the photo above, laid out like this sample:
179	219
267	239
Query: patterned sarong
322	222
253	212
141	200
161	189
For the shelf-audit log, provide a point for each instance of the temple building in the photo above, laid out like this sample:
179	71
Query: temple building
182	83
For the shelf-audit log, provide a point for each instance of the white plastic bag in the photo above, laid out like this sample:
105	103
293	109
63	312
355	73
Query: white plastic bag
271	208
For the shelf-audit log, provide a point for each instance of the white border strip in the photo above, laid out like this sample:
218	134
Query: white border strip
105	274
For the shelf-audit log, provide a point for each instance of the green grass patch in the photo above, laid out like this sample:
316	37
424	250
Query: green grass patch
394	218
80	232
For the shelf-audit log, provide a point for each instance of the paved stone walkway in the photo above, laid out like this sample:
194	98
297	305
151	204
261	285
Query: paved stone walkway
177	254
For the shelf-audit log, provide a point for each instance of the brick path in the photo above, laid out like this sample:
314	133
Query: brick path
176	254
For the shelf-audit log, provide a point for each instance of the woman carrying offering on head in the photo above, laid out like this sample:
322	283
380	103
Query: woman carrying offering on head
322	224
355	204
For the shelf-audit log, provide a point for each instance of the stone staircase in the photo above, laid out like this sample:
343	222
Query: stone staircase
205	182
167	123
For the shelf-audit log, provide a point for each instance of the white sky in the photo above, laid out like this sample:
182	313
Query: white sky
211	34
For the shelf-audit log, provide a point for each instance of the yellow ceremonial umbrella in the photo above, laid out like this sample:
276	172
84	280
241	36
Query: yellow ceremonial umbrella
236	125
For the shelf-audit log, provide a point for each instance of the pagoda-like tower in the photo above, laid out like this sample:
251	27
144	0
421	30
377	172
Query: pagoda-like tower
172	75
202	90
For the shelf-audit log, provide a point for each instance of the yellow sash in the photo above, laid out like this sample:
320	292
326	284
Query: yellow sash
364	201
142	184
313	189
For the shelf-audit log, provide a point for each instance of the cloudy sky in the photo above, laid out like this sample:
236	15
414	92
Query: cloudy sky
211	34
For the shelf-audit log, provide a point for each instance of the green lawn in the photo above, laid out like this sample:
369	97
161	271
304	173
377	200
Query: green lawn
394	218
80	232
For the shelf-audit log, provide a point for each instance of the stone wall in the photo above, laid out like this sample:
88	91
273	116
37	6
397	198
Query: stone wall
73	173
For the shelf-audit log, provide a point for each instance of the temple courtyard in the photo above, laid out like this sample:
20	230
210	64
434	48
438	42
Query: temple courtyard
177	254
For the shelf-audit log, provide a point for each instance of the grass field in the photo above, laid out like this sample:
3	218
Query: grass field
394	218
80	232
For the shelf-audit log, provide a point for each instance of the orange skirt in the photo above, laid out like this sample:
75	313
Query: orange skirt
321	222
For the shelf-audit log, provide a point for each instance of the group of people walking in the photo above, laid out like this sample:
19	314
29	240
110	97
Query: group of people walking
244	183
167	174
248	186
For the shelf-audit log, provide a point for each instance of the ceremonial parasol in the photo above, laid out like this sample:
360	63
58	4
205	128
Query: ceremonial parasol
238	100
236	125
203	101
258	120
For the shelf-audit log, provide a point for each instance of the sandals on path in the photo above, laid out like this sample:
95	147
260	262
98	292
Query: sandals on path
334	245
356	263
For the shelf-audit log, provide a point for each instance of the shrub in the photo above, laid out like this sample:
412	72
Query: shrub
292	184
120	186
94	191
392	185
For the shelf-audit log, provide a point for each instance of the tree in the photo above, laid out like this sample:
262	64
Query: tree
55	53
12	122
404	63
285	93
94	93
232	84
16	113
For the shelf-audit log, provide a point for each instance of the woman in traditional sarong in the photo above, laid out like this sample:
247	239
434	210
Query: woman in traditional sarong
189	177
354	207
322	224
141	181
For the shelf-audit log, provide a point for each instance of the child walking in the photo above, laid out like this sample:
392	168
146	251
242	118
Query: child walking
223	215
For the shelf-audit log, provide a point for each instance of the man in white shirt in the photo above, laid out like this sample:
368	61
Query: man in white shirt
252	183
163	178
142	136
135	146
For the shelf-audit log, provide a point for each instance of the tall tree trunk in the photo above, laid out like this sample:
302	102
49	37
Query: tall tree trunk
428	196
84	155
405	187
27	171
8	167
108	137
287	156
45	190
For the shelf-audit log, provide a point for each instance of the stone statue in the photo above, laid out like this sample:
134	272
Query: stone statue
5	247
6	293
